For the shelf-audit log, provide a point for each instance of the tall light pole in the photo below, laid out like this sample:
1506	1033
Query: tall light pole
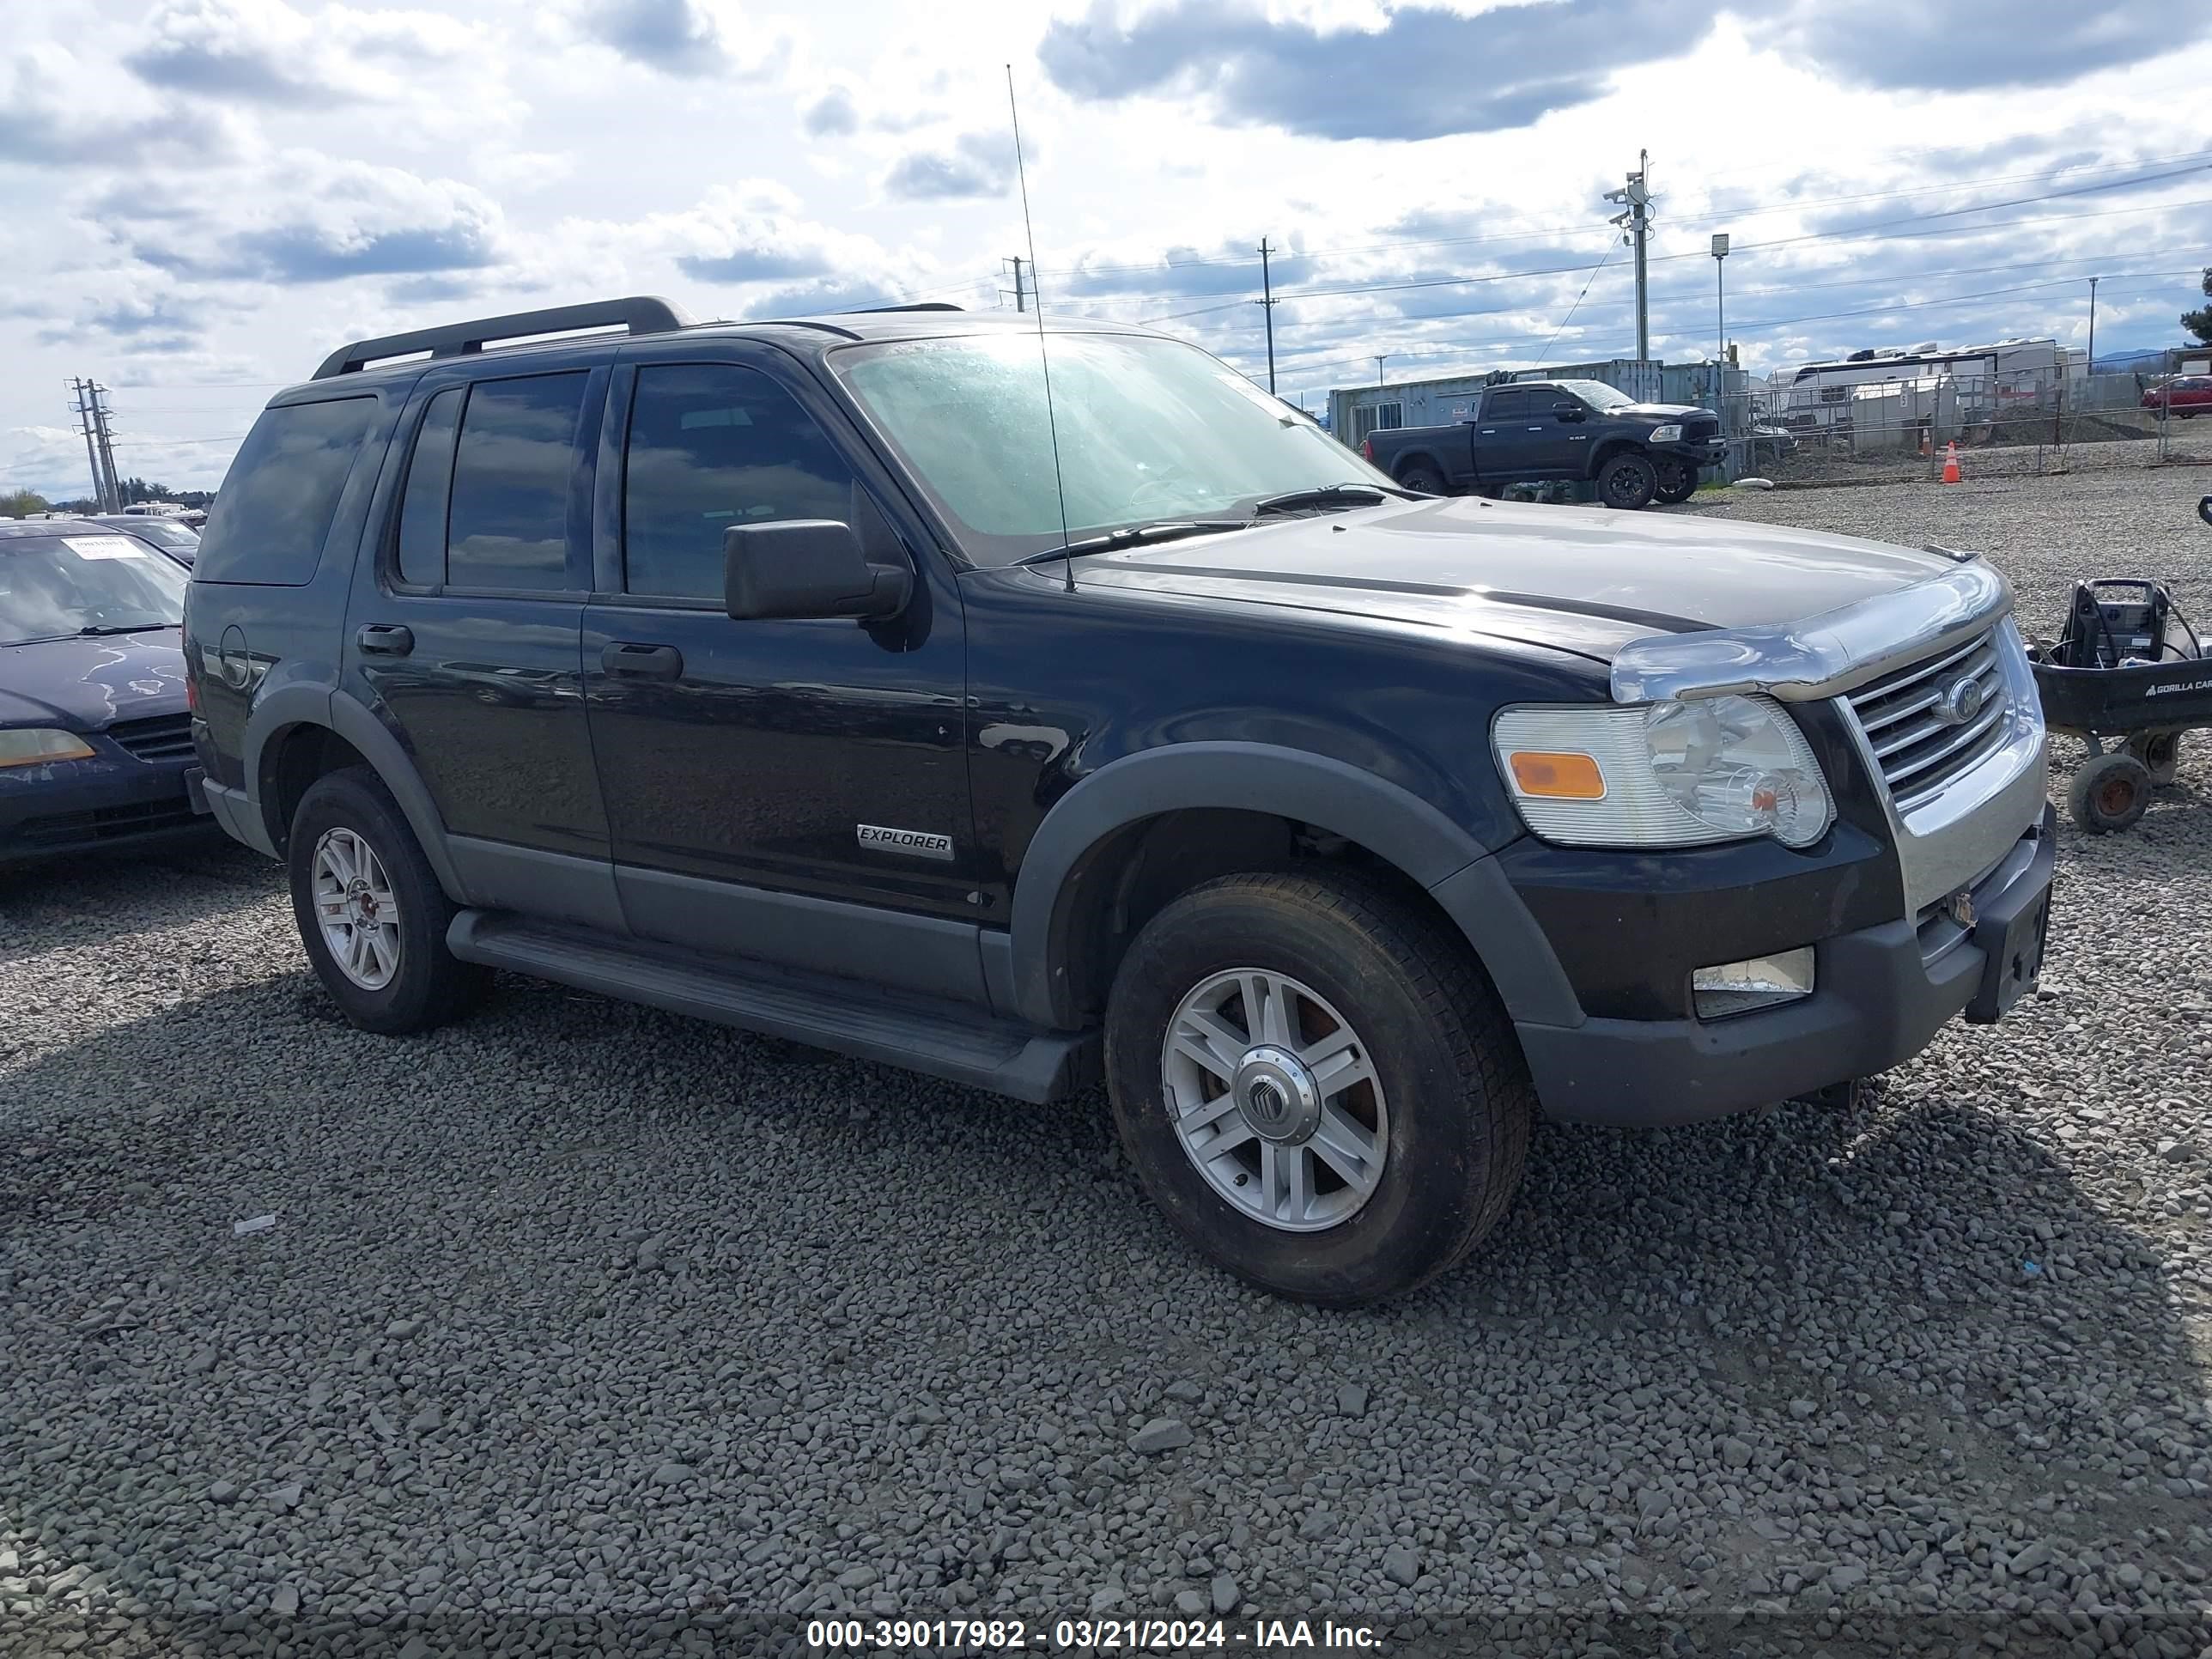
1720	292
2093	325
1635	216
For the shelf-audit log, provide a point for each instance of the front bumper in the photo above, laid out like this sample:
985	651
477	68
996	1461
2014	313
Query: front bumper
92	805
1708	452
1881	995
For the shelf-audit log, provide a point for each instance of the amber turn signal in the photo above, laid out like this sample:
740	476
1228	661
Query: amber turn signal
1556	776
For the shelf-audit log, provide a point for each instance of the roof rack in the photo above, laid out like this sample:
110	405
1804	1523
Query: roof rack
919	304
640	313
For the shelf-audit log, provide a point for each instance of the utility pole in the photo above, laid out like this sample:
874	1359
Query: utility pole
91	441
2092	364
99	413
1019	304
1379	362
1635	216
1267	303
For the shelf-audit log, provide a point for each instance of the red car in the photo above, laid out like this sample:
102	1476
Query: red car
2184	394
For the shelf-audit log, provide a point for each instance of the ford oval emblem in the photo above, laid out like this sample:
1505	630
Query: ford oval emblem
1960	703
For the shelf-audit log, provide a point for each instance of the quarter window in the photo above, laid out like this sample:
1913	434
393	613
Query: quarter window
274	512
508	525
713	446
430	489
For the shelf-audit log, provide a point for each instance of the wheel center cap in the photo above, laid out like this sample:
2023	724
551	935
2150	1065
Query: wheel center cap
362	902
1276	1095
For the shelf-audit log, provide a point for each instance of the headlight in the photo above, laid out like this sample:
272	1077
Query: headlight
1665	435
1663	774
37	745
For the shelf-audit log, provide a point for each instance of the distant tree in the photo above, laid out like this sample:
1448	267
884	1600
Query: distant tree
2199	321
21	503
136	489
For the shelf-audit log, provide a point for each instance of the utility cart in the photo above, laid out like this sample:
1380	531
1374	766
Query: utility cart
2128	677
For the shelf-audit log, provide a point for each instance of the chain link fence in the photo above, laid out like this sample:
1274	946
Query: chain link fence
1895	430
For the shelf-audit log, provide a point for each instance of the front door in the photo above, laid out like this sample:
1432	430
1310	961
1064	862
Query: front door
780	789
462	634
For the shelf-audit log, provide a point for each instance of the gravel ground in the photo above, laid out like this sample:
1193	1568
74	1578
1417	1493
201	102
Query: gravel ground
580	1328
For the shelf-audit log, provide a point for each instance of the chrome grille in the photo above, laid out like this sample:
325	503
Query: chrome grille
163	737
1904	716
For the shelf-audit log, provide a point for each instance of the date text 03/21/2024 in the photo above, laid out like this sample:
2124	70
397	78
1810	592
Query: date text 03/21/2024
1097	1635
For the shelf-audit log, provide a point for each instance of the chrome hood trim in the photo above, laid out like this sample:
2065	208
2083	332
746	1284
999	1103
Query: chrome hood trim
1823	656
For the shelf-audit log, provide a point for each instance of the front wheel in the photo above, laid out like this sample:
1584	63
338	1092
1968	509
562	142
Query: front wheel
1627	482
1677	481
370	910
1317	1086
2109	793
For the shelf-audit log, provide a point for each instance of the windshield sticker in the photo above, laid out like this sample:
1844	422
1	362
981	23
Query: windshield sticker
104	547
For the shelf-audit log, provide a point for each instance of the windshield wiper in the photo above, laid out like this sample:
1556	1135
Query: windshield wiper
1336	495
1136	535
97	630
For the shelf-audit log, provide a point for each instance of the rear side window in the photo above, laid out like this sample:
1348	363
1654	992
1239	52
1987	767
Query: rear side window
508	525
274	511
429	487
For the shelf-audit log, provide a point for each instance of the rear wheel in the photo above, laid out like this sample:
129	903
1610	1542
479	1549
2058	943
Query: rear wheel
1317	1086
371	911
2109	793
2160	753
1677	481
1422	477
1627	482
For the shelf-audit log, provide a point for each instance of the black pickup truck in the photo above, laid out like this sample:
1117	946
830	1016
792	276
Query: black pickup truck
1536	431
772	673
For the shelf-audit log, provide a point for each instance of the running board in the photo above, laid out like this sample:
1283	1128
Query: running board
948	1040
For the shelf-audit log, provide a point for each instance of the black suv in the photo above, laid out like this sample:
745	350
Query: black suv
823	677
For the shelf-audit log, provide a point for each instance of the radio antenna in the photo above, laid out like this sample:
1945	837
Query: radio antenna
1044	357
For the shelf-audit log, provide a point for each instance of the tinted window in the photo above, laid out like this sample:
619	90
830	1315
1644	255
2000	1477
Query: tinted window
711	446
512	470
429	487
1505	406
274	511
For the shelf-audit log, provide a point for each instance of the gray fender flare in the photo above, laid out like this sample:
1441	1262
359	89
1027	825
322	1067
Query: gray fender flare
1389	821
338	711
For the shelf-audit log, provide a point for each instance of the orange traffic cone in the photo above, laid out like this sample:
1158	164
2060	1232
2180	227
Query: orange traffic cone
1951	473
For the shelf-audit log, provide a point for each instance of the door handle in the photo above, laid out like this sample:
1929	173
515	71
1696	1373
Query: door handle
385	640
626	661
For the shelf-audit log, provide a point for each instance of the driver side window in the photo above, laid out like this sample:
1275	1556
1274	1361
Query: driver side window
712	444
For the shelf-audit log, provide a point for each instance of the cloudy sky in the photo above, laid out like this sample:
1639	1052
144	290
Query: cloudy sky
202	196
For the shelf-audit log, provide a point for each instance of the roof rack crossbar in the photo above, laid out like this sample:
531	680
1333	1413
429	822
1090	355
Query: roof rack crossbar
640	314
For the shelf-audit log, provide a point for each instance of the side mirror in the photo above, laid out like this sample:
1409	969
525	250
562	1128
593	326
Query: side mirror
806	568
1567	409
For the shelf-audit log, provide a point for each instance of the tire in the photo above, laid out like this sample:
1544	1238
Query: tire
2109	793
1627	482
1443	1109
346	833
2160	753
1421	478
1677	482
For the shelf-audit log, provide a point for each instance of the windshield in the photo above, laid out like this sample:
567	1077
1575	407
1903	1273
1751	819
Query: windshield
1597	394
167	532
56	586
1150	429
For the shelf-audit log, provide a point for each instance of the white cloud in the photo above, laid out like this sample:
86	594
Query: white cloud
267	51
684	37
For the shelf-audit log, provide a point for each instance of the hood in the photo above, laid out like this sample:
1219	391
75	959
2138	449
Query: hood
84	684
1660	412
1582	580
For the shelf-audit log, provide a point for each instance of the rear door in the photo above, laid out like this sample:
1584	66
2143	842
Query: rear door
793	790
462	633
1505	436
